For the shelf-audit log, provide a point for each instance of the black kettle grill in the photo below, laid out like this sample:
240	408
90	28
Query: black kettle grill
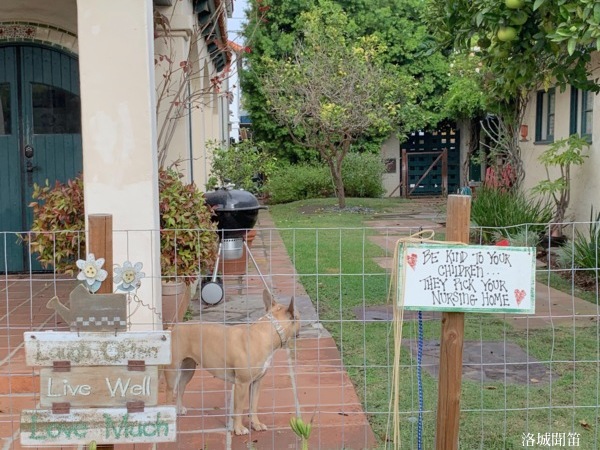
236	212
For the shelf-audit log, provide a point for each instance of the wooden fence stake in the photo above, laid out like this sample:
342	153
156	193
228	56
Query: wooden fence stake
452	336
101	245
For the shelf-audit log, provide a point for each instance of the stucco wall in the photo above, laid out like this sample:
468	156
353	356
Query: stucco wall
199	121
57	13
585	179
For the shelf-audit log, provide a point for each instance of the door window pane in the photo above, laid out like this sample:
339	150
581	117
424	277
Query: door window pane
5	113
55	111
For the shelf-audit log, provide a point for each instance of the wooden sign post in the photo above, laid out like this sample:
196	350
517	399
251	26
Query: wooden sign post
451	346
99	382
455	278
101	241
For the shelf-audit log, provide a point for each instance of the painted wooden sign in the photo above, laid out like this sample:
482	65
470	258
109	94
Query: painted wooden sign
92	312
467	278
104	425
97	349
99	386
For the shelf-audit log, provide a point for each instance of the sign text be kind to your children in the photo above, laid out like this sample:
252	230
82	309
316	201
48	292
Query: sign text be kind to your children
467	278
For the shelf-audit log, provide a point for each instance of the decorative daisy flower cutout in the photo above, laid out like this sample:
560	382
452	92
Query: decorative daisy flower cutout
92	272
129	276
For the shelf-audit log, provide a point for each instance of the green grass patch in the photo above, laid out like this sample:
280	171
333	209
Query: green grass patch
334	256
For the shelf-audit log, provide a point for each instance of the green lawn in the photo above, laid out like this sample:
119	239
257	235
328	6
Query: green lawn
333	255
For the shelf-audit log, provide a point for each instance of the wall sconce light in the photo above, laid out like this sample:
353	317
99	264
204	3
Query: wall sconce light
524	132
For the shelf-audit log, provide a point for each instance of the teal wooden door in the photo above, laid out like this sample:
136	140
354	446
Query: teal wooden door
426	170
40	139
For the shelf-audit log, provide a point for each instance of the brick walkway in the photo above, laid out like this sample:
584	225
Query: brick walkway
308	378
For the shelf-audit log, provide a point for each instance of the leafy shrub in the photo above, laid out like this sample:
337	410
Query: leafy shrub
362	175
508	212
297	182
584	251
244	164
188	239
58	223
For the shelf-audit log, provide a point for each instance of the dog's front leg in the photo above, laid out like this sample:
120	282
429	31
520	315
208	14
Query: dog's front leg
256	424
240	397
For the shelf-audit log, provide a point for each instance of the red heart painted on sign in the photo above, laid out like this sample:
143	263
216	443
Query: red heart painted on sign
519	295
412	260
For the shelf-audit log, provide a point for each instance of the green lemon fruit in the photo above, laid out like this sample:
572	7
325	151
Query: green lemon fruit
519	18
514	4
507	34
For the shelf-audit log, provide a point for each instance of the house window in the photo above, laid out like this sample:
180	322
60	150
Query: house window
582	113
55	111
544	116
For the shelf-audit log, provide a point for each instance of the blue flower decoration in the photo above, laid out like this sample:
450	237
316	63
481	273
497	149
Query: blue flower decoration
129	276
91	272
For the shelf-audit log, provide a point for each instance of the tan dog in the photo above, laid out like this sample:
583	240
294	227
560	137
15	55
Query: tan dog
240	354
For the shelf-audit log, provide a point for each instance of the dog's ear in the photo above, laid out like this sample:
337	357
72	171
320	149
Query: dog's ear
269	300
291	307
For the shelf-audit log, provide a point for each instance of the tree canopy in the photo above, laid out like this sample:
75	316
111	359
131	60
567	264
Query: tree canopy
407	46
334	90
523	44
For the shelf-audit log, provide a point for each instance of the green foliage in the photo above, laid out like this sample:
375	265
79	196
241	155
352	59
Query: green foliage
584	251
362	174
302	429
188	239
243	164
566	152
510	212
465	97
410	52
551	43
58	222
334	90
298	182
561	155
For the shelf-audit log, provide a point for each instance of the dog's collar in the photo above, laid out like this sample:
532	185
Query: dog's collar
278	327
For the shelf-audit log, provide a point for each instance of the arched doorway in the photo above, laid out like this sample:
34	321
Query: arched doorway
40	137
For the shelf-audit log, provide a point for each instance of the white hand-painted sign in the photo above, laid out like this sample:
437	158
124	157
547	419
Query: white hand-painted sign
470	278
104	425
97	349
100	386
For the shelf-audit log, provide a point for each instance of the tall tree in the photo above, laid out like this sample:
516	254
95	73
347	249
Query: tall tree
410	49
524	45
334	90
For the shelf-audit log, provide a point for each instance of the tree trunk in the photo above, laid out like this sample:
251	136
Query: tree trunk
336	172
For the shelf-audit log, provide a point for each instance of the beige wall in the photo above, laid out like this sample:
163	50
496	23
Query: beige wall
59	13
119	136
200	121
585	179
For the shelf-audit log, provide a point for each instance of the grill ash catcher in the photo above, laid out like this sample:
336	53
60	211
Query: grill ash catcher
236	212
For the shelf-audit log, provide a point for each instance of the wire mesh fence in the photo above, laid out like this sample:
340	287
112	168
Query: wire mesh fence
528	380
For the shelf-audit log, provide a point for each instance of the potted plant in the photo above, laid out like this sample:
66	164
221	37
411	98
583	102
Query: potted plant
188	239
561	155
